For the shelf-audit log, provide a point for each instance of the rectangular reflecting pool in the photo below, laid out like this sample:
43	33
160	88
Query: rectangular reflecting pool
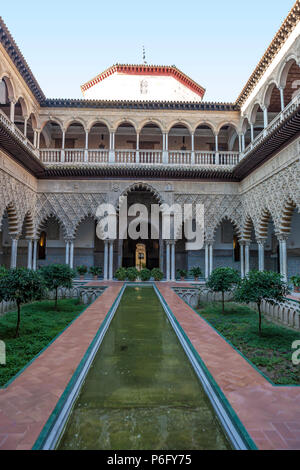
141	391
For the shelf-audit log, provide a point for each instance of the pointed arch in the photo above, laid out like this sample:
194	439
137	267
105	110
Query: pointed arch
13	219
227	218
286	216
263	224
42	222
88	215
28	224
247	228
139	187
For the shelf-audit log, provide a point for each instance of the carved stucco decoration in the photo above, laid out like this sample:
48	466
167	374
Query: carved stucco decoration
69	209
15	194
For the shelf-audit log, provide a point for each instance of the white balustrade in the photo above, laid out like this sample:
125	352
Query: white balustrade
150	156
229	158
125	156
178	157
17	133
98	156
274	124
204	158
74	156
50	155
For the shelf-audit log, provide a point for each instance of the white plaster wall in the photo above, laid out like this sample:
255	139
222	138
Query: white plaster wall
128	87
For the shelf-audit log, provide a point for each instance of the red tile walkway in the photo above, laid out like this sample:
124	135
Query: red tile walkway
26	404
270	414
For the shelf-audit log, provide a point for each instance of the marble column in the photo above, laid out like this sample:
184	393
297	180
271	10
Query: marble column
206	261
29	254
261	254
211	258
281	90
193	148
137	153
217	160
120	253
63	141
165	148
111	259
86	151
265	111
252	132
14	253
34	258
25	125
167	260
247	258
112	147
12	110
242	260
173	262
283	257
67	252
161	255
105	261
71	254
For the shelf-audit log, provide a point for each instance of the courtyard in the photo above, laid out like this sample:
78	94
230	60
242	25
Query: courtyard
150	249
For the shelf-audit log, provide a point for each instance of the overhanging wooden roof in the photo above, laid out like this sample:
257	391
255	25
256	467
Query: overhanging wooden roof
278	41
82	171
286	132
17	57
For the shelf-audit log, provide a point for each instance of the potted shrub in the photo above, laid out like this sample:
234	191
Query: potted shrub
182	273
145	274
96	271
157	274
196	273
296	283
121	274
82	270
132	274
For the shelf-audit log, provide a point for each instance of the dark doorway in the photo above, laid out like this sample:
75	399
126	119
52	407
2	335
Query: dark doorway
129	253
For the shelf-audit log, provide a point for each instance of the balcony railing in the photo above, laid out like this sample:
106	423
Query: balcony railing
17	133
274	124
150	157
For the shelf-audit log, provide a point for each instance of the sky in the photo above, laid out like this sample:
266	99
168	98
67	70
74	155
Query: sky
217	43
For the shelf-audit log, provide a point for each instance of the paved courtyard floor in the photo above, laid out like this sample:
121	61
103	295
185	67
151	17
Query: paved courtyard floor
270	414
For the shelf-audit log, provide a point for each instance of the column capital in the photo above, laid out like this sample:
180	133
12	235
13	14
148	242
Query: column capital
261	241
244	242
15	236
170	241
282	236
69	239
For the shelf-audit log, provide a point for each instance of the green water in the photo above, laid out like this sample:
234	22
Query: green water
141	391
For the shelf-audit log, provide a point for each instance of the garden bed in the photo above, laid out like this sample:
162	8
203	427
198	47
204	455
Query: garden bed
40	324
271	352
